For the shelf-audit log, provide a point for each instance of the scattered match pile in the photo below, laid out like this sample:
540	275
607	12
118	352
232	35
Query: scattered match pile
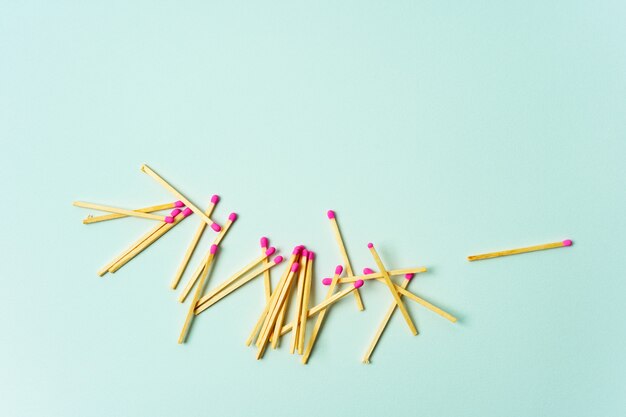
292	289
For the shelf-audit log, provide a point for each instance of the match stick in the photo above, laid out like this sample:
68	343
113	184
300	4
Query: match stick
145	168
344	254
325	304
304	311
218	239
197	295
320	318
193	244
117	210
490	255
205	303
383	324
91	219
378	275
299	294
269	252
267	280
392	289
262	317
274	310
156	236
417	299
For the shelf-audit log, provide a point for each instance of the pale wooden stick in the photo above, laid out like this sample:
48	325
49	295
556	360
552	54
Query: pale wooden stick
304	310
237	275
274	310
392	289
208	302
383	324
145	168
197	295
377	275
299	294
194	277
117	210
261	321
274	336
267	280
193	244
155	236
344	255
320	318
490	255
91	219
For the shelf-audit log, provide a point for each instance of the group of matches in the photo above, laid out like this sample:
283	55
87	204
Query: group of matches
294	285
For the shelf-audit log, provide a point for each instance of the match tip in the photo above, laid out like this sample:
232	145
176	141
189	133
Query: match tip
215	199
368	271
278	259
311	255
370	245
327	281
297	250
295	267
232	217
270	251
213	249
169	219
179	204
358	283
305	253
330	214
338	270
187	212
216	227
409	277
567	242
175	212
265	242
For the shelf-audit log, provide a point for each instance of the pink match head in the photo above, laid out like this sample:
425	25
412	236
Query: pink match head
265	242
409	277
175	212
338	270
358	283
567	242
187	212
330	214
311	255
305	253
213	249
278	259
270	251
297	250
216	227
169	219
370	245
294	267
179	204
327	281
232	217
215	199
368	271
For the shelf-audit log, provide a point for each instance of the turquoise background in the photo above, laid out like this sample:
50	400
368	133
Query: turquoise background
435	129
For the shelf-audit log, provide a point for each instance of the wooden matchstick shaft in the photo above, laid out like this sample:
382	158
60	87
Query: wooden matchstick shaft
151	209
119	211
382	326
392	289
206	301
170	188
192	247
267	280
304	311
318	322
346	259
196	297
274	336
299	298
143	245
196	274
378	275
520	250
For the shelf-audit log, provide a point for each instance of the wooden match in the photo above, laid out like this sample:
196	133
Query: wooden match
562	244
118	210
96	219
